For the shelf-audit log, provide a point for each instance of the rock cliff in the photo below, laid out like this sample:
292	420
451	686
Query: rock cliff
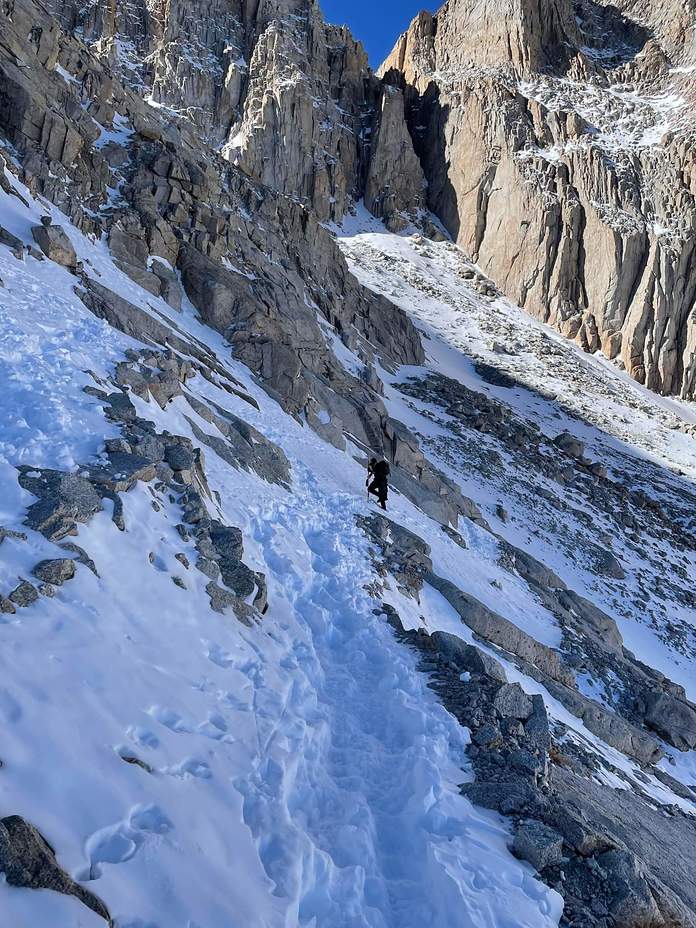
554	143
284	96
557	142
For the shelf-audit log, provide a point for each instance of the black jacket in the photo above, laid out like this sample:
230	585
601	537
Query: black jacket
381	471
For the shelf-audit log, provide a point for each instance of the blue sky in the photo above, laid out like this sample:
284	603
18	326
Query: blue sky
377	23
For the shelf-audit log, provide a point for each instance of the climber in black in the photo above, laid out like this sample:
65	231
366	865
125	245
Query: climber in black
377	480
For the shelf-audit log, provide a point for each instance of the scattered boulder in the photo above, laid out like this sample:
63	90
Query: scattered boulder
228	544
511	701
141	276
456	537
501	632
632	903
24	595
488	373
163	387
221	600
28	861
64	500
148	446
119	408
55	244
608	725
673	719
239	578
488	736
16	245
607	564
578	834
538	844
55	572
243	446
161	376
133	379
220	549
180	456
532	765
514	796
404	554
592	621
467	657
564	818
502	512
570	445
7	607
208	567
122	472
530	569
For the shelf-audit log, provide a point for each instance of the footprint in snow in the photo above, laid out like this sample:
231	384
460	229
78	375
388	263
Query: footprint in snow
170	719
215	727
118	843
189	767
235	703
142	736
218	656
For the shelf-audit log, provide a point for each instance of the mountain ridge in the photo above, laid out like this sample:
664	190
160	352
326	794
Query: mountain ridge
555	151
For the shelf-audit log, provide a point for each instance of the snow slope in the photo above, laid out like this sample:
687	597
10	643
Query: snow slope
554	385
557	387
302	773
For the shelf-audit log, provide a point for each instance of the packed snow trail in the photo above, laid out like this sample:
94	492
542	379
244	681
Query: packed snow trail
354	802
306	756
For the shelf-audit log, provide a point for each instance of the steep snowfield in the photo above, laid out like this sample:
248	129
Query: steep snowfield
427	280
302	773
556	386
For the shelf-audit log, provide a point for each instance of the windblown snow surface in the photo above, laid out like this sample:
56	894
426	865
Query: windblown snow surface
303	772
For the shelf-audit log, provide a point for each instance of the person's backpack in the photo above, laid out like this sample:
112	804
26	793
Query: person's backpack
382	470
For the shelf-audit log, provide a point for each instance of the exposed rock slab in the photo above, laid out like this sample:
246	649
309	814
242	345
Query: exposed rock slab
28	860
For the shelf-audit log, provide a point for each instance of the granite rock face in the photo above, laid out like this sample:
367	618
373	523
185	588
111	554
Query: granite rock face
553	143
557	142
395	187
210	146
606	850
283	95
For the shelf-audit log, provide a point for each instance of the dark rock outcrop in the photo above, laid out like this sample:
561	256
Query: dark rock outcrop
609	852
55	572
28	860
55	244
